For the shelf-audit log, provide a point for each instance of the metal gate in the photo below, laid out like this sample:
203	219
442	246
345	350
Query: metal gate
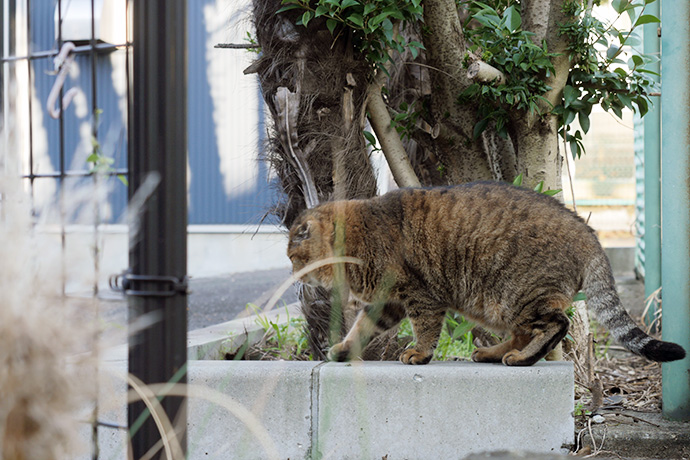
55	60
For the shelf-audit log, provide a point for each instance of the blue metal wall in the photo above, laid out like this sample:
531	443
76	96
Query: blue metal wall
212	200
112	127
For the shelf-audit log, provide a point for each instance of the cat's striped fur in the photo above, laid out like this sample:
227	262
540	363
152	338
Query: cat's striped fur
508	258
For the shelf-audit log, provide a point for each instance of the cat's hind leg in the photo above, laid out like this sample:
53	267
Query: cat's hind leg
495	353
371	321
427	330
547	326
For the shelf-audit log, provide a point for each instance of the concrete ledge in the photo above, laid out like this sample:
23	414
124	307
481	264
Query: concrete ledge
314	410
214	341
442	410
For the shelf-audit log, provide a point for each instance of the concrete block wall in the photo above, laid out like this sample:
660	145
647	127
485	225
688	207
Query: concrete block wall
442	410
315	410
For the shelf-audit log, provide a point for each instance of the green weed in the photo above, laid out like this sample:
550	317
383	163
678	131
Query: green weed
282	340
456	339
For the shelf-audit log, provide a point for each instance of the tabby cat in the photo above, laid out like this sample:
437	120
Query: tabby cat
505	257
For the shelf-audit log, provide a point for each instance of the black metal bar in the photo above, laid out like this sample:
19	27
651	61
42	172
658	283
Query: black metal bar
158	144
72	173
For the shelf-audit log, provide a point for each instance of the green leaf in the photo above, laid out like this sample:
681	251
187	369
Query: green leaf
462	329
370	137
617	110
368	8
348	3
539	187
356	19
626	100
306	17
574	148
291	6
632	14
480	127
394	12
612	51
552	192
331	25
580	296
583	118
414	52
620	72
518	180
648	71
123	179
570	95
603	41
637	60
646	19
633	39
491	22
619	5
568	116
378	19
320	11
642	106
512	18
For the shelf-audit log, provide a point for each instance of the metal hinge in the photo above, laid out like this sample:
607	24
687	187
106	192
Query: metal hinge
170	285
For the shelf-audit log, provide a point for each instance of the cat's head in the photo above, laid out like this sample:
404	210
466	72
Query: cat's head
311	240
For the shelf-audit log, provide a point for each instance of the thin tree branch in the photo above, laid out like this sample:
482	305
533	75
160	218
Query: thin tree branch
482	72
392	146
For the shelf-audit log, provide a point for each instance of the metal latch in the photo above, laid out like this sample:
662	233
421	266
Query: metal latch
126	282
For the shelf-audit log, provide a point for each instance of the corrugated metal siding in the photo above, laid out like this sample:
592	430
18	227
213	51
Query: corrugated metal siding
77	117
227	184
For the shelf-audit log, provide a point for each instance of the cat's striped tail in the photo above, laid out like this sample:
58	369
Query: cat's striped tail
603	300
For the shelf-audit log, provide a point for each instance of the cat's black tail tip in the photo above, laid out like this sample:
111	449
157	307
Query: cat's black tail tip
656	350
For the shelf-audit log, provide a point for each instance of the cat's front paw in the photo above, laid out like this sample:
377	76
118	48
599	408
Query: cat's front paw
339	352
413	356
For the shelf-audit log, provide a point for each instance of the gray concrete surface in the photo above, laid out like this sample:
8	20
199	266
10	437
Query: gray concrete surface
373	410
443	410
635	434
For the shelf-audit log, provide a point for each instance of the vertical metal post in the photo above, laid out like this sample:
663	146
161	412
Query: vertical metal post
675	183
652	171
158	253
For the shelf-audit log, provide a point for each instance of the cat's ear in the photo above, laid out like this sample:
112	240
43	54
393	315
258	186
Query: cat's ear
303	232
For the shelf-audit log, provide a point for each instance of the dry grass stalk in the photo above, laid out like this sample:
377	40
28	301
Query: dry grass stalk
45	382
